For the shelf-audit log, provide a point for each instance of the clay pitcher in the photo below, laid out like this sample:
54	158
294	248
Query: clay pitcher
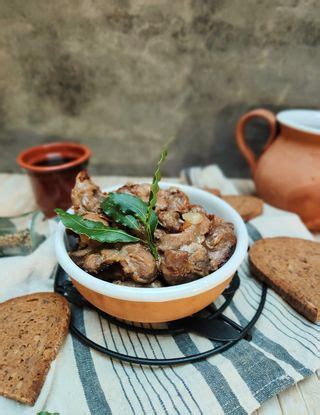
287	174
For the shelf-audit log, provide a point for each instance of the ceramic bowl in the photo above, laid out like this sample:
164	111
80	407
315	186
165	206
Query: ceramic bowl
154	305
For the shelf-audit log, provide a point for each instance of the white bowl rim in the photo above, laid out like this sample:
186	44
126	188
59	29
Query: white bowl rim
164	293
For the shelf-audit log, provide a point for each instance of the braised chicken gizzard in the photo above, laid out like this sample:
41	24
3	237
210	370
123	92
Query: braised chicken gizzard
190	242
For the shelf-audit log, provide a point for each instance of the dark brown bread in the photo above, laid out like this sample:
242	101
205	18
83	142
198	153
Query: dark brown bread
32	328
291	267
248	207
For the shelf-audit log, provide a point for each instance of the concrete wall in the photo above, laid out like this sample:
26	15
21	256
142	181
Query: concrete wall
126	76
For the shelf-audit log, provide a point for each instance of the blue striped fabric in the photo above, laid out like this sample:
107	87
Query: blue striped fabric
93	392
284	349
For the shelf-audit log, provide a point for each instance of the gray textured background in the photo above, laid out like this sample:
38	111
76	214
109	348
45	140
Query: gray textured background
125	76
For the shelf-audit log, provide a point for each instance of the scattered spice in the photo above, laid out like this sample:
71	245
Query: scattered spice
20	238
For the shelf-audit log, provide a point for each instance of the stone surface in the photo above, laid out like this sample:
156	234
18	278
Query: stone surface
127	76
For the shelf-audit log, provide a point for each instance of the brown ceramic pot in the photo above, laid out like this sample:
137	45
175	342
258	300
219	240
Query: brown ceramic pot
52	169
287	175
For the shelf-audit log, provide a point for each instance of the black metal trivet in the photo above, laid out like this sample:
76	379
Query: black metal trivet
210	323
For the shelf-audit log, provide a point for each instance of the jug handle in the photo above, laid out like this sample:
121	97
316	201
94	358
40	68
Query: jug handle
246	151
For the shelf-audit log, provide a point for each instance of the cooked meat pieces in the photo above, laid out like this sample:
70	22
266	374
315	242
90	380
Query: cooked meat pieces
136	262
198	259
159	233
219	257
86	196
94	262
184	256
140	190
170	220
80	255
197	251
86	242
220	243
221	233
194	233
184	265
191	243
174	267
172	199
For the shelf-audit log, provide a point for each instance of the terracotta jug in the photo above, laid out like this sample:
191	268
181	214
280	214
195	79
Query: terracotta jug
287	174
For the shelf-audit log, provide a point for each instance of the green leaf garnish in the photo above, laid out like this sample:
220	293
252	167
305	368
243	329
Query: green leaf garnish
152	218
94	230
130	204
133	205
127	209
154	189
113	211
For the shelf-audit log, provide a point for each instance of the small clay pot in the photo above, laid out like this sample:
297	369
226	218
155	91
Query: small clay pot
52	169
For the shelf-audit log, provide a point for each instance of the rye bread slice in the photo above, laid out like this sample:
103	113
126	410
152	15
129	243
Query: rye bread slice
32	328
248	207
291	267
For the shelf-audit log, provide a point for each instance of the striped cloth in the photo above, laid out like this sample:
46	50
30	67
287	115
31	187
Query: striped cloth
284	347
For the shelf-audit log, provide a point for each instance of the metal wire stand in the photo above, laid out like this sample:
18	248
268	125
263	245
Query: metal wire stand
210	323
